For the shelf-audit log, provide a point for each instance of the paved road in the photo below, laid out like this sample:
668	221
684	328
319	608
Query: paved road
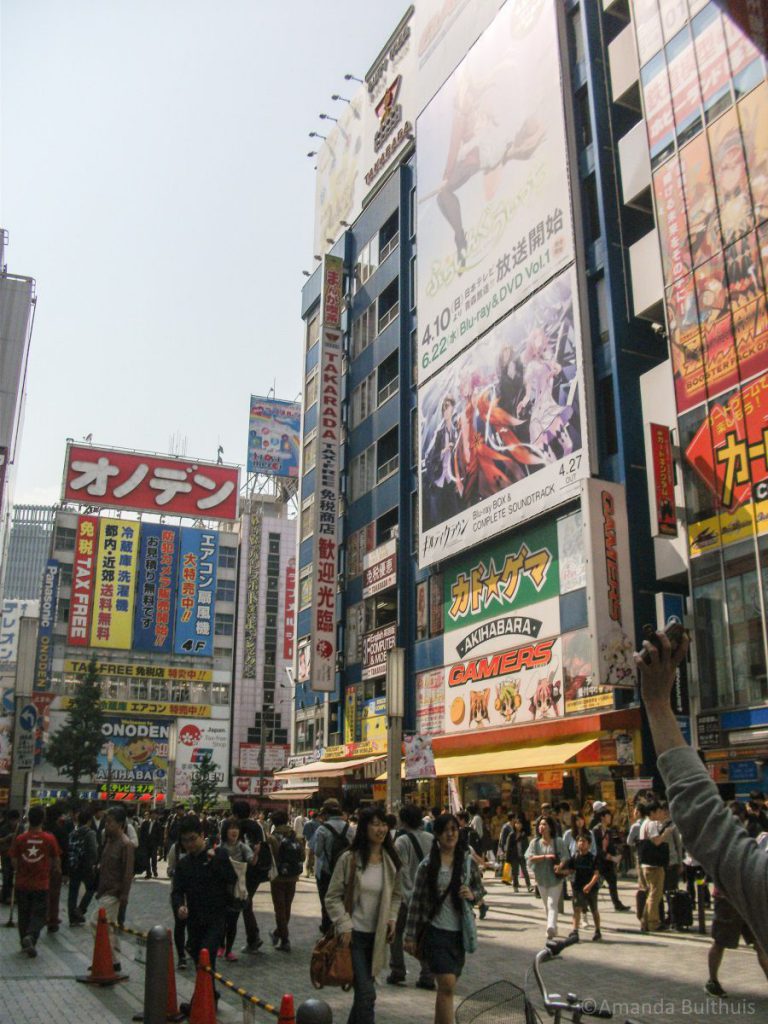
654	978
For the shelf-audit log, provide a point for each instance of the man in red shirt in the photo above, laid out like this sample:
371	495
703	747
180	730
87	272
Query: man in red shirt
35	854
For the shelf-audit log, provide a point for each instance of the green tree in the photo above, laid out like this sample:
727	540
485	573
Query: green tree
74	749
203	784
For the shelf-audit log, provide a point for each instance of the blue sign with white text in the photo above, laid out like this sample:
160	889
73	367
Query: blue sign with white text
158	580
196	594
48	602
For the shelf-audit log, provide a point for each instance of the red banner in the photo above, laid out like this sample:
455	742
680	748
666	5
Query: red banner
150	483
664	479
83	570
289	626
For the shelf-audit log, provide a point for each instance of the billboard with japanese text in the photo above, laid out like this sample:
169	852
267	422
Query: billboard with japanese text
109	478
118	549
274	437
493	217
196	597
48	603
322	668
140	753
196	739
503	426
13	610
83	581
156	588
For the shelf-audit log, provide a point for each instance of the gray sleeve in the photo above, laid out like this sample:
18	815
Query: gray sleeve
715	838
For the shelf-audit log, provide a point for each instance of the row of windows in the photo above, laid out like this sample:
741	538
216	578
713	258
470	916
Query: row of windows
377	388
375	318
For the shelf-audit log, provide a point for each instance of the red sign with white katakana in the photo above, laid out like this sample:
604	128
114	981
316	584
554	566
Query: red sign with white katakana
150	483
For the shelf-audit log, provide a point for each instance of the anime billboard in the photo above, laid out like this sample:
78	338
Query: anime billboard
503	428
274	437
494	212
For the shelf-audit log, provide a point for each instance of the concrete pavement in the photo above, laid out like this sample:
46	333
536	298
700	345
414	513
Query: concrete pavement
653	978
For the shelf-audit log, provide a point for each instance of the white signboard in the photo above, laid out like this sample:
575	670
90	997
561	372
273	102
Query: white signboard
197	737
10	621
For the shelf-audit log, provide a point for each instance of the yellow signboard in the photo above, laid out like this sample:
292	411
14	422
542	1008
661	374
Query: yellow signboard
117	670
728	528
153	708
115	584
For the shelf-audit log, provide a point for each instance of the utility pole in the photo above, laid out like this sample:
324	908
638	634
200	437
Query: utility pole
395	712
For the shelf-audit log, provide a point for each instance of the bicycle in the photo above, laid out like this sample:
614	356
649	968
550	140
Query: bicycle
506	1003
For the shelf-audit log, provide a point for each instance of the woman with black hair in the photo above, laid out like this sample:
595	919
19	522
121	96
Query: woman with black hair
440	928
546	855
363	901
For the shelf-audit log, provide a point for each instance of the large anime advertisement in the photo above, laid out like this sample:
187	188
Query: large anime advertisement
493	218
502	427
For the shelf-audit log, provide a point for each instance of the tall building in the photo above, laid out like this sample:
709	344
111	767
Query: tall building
17	304
28	548
494	330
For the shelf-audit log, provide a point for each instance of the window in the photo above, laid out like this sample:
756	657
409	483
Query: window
227	558
225	590
65	539
414	522
389	236
62	610
305	587
65	574
414	359
414	437
363	401
388	378
313	331
362	473
601	301
307	517
387	525
576	40
583	120
224	624
591	212
310	396
412	281
367	261
387	455
607	411
363	330
310	452
388	304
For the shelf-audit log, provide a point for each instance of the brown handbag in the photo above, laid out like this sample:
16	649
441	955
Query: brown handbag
331	963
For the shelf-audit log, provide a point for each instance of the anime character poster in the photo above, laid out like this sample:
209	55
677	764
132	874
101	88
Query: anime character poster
274	437
494	210
502	428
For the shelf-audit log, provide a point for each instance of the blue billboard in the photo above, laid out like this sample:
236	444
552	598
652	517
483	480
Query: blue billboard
48	600
156	590
196	592
274	437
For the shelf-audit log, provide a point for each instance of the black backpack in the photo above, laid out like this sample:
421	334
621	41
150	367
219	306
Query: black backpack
339	844
290	857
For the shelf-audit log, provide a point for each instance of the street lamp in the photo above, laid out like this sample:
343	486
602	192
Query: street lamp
395	713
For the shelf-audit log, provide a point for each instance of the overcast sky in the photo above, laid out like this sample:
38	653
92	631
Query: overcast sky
155	183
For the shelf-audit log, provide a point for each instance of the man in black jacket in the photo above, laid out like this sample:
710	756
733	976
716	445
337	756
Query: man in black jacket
252	833
202	886
606	841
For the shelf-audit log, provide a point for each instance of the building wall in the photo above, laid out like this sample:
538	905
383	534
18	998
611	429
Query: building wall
28	547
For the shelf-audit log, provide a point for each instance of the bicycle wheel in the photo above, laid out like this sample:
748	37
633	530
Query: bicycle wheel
500	1003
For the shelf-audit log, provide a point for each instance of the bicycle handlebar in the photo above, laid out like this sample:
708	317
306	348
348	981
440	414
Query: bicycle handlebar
570	1003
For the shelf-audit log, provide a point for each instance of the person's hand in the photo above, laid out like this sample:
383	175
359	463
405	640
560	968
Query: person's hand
466	893
390	931
410	947
182	913
657	673
345	939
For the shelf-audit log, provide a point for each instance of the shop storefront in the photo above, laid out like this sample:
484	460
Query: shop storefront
735	749
346	772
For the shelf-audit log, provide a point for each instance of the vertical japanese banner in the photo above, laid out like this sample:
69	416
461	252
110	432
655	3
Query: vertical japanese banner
664	481
350	714
156	590
118	549
83	572
196	600
289	622
48	599
324	541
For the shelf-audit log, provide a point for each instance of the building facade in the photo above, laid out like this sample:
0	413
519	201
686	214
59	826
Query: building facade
29	545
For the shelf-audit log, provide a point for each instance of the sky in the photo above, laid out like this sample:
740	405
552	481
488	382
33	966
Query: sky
154	180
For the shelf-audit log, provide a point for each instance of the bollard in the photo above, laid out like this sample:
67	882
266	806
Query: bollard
314	1011
156	977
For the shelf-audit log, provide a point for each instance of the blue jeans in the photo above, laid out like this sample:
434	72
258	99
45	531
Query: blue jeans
364	988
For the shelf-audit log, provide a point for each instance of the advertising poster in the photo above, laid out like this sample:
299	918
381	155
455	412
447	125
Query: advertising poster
430	702
350	714
196	596
711	57
274	437
657	99
195	740
156	590
683	81
150	483
380	569
422	620
502	594
493	217
664	480
375	647
48	603
685	344
572	558
611	600
83	580
322	672
112	621
140	758
672	222
647	23
502	428
373	719
522	684
289	620
13	611
7	710
419	758
583	690
435	604
698	187
753	117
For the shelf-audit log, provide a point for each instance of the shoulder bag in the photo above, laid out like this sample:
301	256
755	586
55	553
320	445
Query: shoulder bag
468	924
331	963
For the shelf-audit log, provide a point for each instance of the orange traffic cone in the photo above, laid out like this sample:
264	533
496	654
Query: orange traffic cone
172	1011
287	1013
203	1007
102	966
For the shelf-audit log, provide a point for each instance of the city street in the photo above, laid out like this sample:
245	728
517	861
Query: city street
657	978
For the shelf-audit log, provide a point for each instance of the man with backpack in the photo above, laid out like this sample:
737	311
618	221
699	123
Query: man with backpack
82	857
413	844
256	873
330	841
288	854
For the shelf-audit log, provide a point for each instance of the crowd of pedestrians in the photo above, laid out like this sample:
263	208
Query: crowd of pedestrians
385	886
